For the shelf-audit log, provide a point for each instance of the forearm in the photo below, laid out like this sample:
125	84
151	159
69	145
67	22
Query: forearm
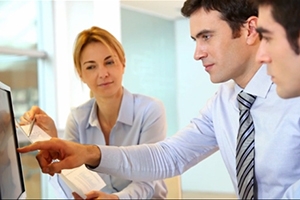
114	162
137	163
148	162
93	156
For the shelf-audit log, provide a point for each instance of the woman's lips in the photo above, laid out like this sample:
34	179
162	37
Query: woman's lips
105	84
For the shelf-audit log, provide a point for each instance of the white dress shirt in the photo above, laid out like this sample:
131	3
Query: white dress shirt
277	142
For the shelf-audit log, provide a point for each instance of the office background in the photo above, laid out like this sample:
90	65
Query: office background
159	63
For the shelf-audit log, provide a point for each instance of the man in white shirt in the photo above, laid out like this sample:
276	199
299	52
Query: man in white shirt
226	43
279	28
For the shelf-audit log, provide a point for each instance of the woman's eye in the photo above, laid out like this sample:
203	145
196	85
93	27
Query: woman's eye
111	62
91	67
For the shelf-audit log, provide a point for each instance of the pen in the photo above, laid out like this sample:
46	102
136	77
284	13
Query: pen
31	125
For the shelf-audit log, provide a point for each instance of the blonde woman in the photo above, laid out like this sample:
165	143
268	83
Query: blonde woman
114	116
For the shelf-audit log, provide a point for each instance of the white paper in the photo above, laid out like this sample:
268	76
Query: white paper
37	134
82	180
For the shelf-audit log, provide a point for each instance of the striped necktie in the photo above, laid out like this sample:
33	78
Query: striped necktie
245	147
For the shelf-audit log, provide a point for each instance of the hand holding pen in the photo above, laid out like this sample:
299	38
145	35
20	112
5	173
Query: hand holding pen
37	116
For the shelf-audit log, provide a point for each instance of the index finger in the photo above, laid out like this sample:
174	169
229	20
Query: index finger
53	145
40	145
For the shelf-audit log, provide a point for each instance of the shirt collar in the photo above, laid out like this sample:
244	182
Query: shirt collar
259	85
93	119
126	109
125	114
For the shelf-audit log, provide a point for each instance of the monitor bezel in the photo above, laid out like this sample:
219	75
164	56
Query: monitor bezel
7	89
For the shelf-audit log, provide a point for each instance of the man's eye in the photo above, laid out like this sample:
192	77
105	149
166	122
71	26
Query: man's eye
263	37
260	36
266	39
206	37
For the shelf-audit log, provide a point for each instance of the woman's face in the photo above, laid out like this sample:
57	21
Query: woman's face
101	70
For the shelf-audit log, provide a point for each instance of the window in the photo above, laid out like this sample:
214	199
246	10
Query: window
20	73
18	54
19	60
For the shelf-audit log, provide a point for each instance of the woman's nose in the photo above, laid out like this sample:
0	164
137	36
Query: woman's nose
102	72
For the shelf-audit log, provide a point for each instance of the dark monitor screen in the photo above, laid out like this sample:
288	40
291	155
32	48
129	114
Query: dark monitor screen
11	176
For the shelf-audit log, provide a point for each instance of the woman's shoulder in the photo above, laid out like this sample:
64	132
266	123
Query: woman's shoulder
146	98
84	108
147	102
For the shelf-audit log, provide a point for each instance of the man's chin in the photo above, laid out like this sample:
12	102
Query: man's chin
286	94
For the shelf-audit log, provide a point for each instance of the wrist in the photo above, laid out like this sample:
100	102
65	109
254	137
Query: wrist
93	156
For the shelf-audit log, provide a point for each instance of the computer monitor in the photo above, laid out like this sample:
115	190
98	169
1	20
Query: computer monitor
11	175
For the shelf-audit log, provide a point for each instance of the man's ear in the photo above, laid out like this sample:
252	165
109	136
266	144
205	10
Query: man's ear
252	35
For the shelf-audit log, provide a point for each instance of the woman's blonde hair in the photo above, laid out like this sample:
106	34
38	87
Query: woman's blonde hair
96	34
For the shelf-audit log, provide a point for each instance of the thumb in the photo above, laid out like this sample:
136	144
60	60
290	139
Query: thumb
76	196
92	194
66	163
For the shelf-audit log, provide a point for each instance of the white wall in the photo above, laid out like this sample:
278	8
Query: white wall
150	59
193	90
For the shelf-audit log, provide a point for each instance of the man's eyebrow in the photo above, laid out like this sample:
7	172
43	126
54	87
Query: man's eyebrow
205	31
261	30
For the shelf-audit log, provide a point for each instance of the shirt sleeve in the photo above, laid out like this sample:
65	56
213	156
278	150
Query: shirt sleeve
164	159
